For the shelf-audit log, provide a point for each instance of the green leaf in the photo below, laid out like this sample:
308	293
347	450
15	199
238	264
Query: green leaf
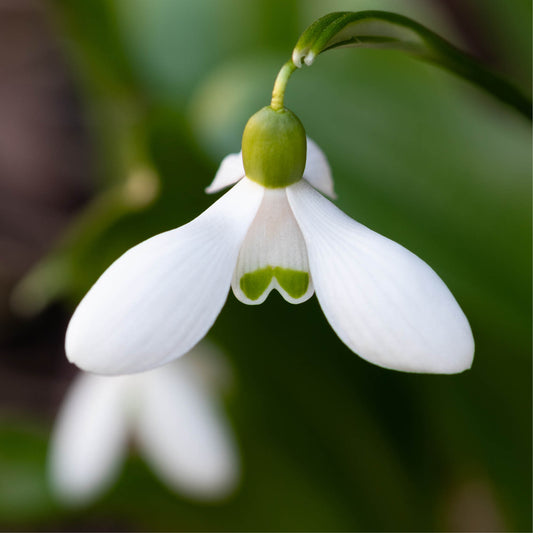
25	497
384	30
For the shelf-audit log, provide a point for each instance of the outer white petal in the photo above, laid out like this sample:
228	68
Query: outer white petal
273	240
89	439
161	297
183	434
230	171
317	170
385	303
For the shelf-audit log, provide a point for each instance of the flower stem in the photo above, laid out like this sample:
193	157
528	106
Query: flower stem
280	84
380	29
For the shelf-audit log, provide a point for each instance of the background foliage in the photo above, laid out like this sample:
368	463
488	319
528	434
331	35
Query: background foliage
328	441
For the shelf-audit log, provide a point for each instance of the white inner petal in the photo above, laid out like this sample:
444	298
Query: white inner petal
273	255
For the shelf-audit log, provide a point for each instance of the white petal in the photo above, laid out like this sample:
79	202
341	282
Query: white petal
384	303
317	170
161	297
89	439
183	434
273	241
230	171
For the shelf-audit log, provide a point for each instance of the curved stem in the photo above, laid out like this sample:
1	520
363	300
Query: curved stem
280	85
380	29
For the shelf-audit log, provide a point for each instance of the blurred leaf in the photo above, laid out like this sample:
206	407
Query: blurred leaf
24	495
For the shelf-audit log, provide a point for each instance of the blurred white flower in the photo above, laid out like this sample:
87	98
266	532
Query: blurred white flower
171	414
272	230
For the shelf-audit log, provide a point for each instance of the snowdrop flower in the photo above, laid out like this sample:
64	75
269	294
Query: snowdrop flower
170	413
272	230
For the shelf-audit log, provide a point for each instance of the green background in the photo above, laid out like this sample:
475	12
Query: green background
328	441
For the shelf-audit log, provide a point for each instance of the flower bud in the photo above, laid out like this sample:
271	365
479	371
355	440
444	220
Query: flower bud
274	148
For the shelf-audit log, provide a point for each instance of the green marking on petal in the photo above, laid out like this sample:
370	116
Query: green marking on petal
295	282
254	284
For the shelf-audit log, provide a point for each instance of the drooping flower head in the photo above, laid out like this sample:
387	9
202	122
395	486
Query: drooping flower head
272	230
171	414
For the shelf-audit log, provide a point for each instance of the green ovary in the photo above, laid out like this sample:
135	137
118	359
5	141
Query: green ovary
294	282
274	148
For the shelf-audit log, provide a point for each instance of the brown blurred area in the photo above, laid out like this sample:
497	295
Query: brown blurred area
45	178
